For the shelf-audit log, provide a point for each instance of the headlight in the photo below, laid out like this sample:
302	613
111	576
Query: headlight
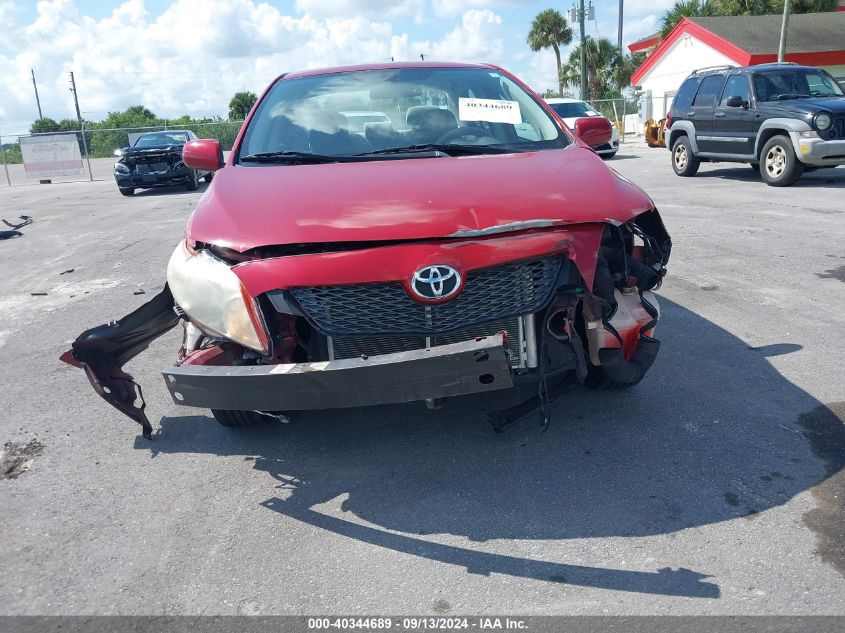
213	296
120	168
823	121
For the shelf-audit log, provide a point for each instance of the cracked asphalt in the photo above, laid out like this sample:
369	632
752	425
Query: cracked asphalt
714	487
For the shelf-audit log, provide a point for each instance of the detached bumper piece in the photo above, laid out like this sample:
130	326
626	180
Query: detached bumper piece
449	370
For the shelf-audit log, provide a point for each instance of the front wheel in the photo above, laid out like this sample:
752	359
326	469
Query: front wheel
607	156
244	418
684	162
192	182
126	191
779	165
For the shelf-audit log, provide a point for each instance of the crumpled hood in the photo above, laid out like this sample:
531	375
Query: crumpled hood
248	207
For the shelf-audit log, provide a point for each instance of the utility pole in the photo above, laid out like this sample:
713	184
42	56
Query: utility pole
620	27
783	27
581	16
37	100
81	124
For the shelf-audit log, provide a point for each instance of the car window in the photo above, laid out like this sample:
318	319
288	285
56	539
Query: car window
706	95
795	83
571	110
736	86
161	138
352	113
683	99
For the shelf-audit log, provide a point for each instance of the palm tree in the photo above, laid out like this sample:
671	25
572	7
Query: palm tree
687	9
602	57
240	105
549	29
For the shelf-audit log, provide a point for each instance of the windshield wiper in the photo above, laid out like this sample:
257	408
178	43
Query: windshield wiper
791	95
290	157
445	149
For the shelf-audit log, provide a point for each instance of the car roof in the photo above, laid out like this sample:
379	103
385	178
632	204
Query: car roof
769	66
168	131
381	66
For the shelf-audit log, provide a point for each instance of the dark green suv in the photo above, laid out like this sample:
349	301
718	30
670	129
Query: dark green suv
782	119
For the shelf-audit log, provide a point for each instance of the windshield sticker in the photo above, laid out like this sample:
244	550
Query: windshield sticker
489	110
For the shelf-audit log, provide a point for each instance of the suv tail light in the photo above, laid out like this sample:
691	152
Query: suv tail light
668	120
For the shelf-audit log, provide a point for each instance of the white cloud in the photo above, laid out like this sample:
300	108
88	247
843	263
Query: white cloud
451	8
131	57
477	39
388	8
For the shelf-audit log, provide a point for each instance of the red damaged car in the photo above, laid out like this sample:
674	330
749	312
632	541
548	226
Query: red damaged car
461	240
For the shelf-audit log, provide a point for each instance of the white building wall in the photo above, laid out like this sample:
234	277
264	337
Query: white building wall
675	65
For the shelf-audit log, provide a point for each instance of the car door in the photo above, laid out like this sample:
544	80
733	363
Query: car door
733	125
701	111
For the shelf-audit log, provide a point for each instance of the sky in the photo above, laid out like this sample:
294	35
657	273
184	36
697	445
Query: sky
190	56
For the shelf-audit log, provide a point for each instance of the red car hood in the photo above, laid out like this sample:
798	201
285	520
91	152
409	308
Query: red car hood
247	207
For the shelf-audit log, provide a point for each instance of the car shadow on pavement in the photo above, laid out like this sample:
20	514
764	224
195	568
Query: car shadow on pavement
828	178
714	433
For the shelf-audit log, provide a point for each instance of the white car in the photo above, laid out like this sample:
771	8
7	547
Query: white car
570	110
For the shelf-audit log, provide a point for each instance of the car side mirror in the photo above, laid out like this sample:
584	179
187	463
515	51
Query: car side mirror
734	101
204	154
593	130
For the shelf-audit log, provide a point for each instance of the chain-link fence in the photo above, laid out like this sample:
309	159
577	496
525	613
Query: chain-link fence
96	147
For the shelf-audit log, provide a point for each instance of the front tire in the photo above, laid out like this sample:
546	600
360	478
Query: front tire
684	162
192	182
236	419
779	166
607	156
126	191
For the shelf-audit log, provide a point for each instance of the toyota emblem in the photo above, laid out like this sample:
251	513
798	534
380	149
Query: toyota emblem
436	282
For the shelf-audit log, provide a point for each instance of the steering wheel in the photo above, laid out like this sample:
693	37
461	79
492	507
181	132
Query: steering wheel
463	132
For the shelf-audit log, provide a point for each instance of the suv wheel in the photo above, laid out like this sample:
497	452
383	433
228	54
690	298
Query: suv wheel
126	191
684	162
778	165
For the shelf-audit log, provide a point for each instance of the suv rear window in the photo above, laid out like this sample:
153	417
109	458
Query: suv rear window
683	99
709	89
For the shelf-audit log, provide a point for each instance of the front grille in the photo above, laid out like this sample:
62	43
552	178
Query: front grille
375	309
839	126
354	347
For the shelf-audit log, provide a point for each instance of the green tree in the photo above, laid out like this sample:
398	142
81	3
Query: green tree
707	8
549	29
602	68
241	104
43	125
687	9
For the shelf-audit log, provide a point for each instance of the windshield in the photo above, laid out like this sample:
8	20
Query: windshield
161	138
797	83
573	110
356	113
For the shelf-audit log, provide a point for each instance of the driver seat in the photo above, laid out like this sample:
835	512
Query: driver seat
429	123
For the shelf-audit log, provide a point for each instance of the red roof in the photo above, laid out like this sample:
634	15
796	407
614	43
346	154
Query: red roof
645	43
742	49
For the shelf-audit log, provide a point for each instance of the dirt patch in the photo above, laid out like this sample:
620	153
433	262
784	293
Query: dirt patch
17	458
833	273
825	429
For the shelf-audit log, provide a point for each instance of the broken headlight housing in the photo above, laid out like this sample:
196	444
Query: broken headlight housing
214	298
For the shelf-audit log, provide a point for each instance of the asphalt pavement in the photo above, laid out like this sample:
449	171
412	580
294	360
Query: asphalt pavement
716	486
